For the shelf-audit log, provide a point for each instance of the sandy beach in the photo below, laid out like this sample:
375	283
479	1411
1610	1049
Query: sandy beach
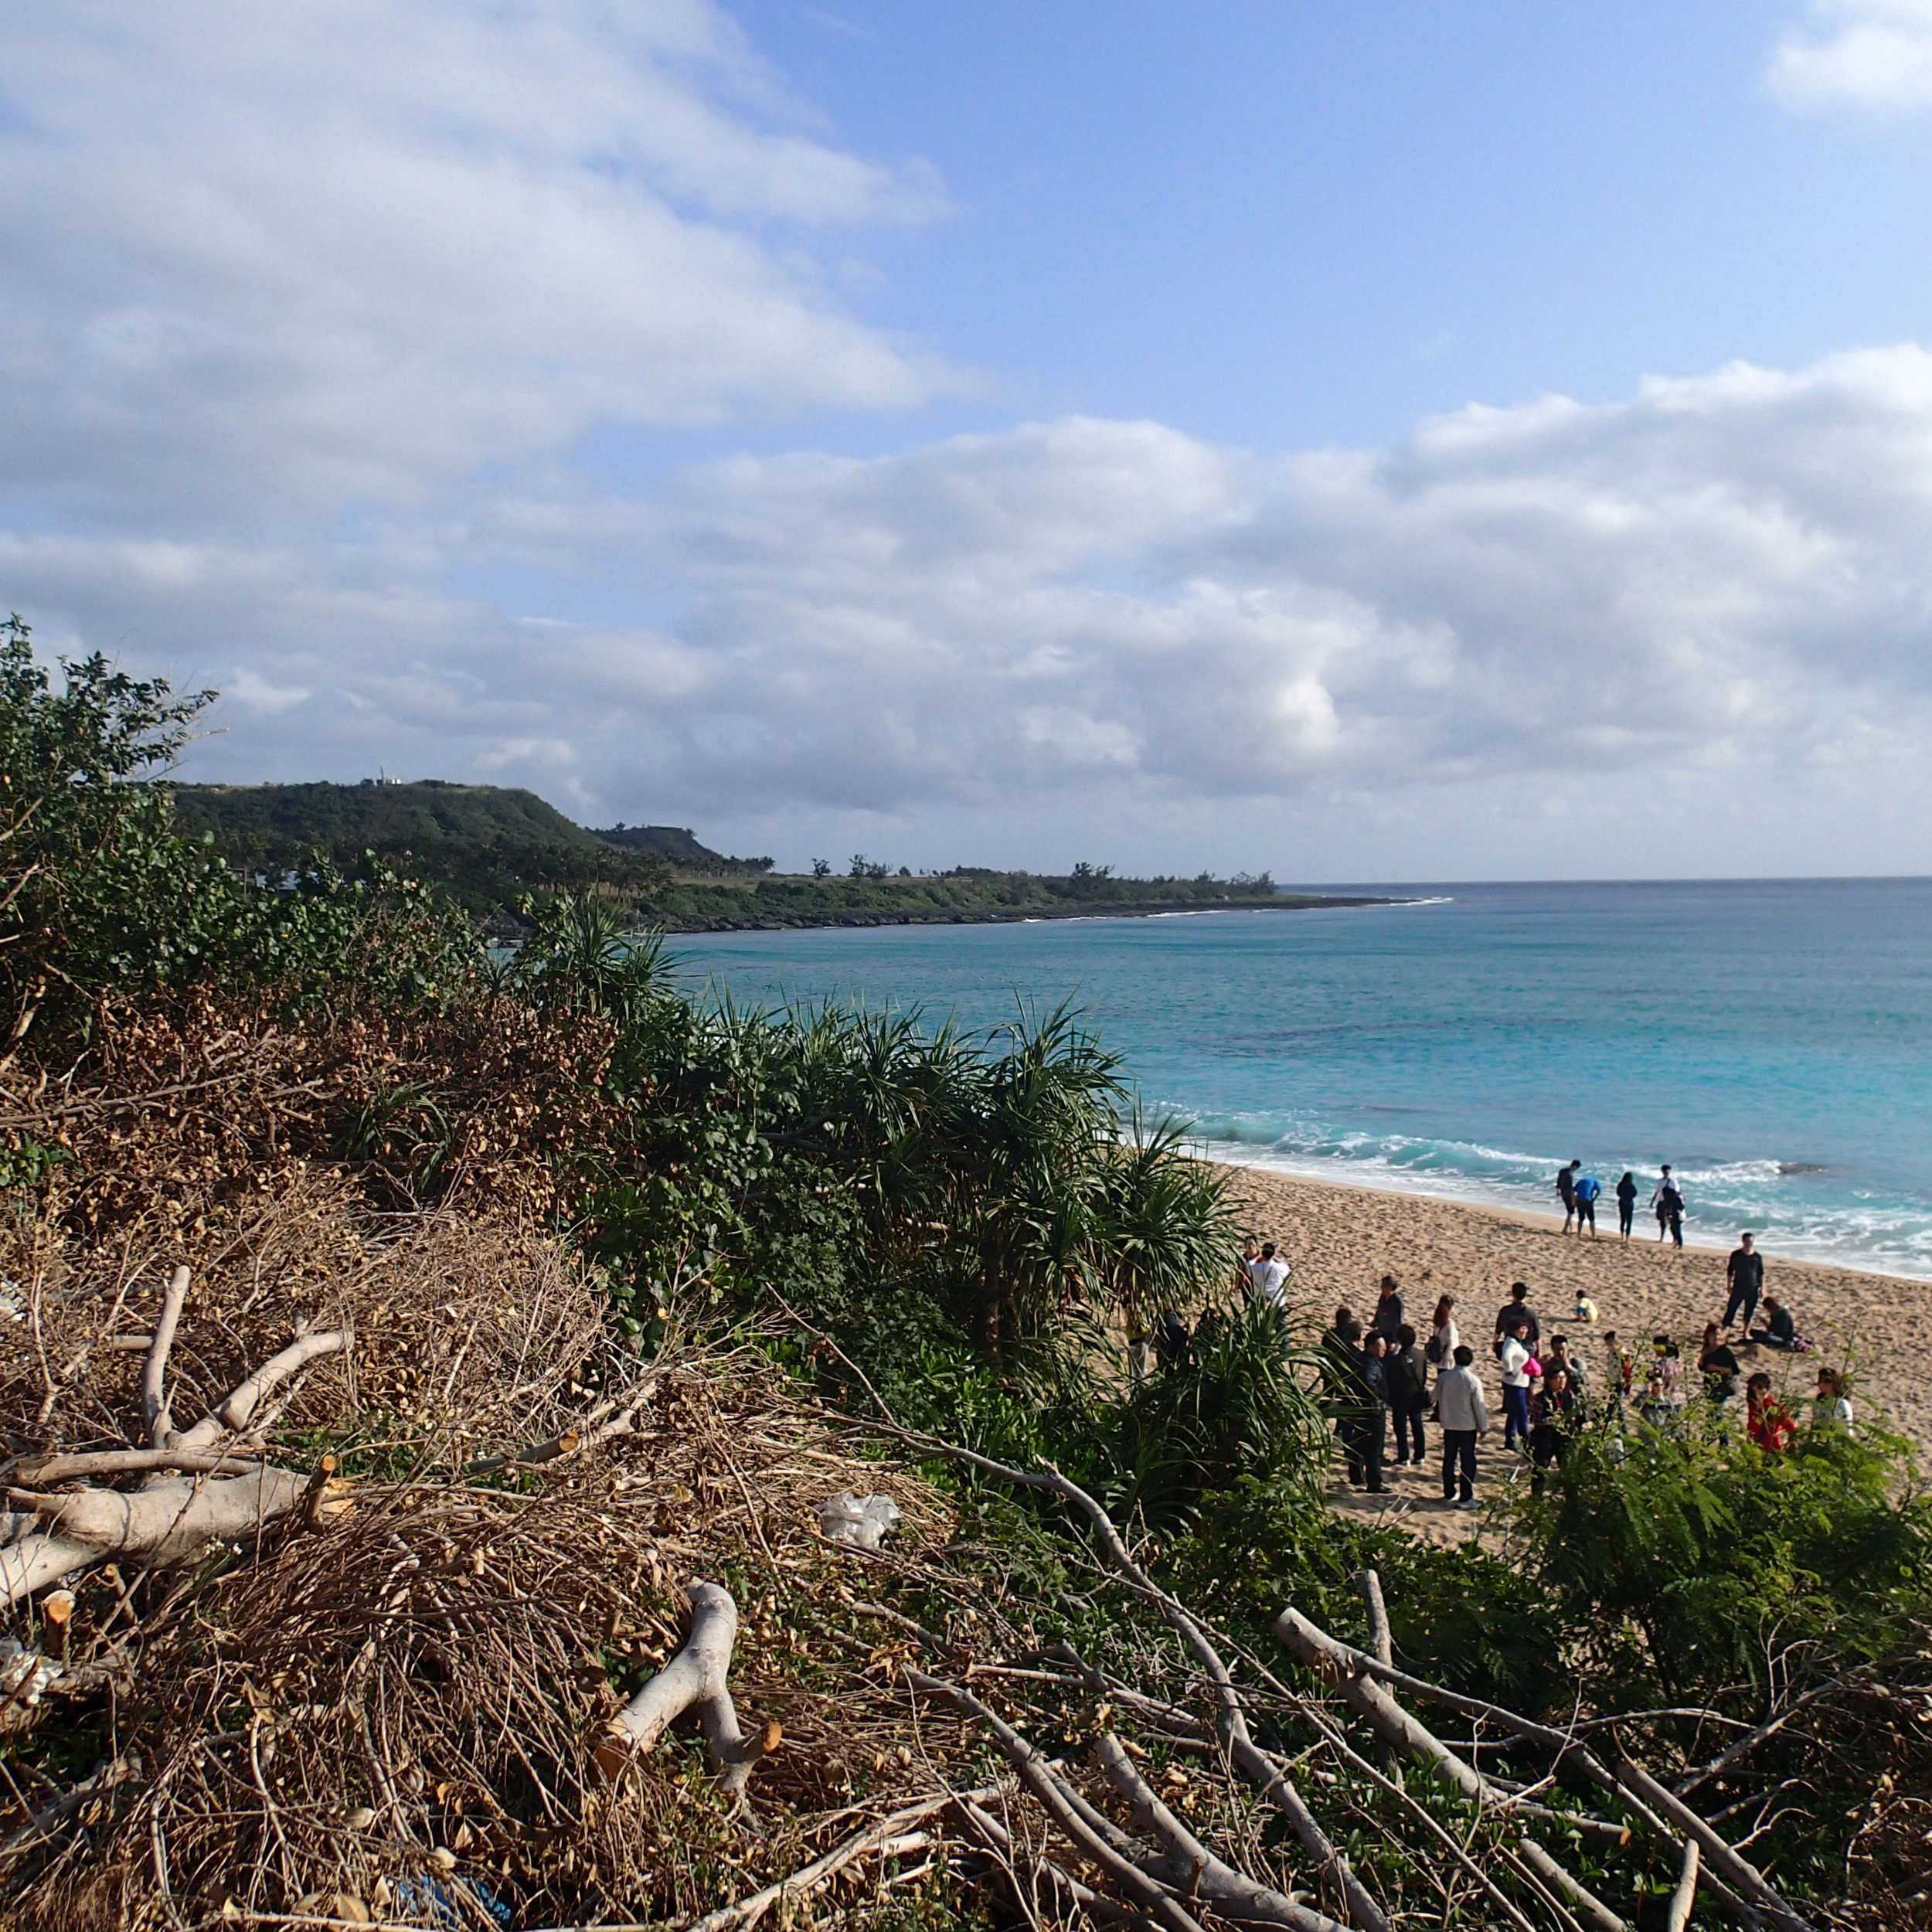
1341	1240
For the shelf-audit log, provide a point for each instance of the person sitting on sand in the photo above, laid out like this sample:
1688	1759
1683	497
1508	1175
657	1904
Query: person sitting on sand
1585	1310
1626	1204
1779	1331
1718	1365
1515	1310
1767	1421
1465	1416
1388	1315
1832	1409
1408	1376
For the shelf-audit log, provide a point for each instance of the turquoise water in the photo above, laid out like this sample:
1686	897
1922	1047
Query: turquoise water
1772	1040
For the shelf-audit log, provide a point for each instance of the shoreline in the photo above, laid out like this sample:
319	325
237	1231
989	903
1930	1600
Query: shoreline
1013	915
1340	1239
1552	1224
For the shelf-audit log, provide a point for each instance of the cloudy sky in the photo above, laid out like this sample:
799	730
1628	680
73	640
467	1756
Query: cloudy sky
1372	439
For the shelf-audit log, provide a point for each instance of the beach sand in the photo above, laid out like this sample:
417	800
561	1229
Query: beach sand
1341	1240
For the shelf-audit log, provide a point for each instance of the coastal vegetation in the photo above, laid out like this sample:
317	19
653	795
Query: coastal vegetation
491	848
391	1329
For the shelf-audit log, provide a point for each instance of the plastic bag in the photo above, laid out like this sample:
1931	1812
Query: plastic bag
860	1521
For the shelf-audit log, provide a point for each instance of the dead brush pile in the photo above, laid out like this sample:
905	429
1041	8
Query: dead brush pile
390	1699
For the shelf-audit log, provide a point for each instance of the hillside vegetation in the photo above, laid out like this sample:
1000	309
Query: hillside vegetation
488	846
435	1388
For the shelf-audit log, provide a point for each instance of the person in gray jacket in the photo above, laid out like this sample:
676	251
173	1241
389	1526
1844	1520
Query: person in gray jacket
1462	1415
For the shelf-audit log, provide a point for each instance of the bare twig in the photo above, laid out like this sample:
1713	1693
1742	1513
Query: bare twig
154	1393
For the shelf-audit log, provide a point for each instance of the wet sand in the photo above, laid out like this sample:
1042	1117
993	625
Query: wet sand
1341	1240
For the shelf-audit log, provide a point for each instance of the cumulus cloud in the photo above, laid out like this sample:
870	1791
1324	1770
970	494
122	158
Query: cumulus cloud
310	307
276	262
1874	56
1725	577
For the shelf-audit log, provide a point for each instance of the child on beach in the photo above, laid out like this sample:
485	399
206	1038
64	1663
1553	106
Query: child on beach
1622	1367
1833	1408
1766	1420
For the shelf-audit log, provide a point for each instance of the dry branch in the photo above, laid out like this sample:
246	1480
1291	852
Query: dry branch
1684	1896
1552	1873
697	1678
234	1415
1193	1867
153	1376
44	1471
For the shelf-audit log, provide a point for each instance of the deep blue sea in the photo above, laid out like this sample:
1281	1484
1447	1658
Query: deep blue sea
1772	1039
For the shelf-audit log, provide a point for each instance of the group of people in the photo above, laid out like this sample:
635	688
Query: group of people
1384	1372
1580	1192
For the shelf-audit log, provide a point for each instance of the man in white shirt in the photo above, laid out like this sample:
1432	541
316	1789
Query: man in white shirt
1515	1385
1268	1278
1464	1415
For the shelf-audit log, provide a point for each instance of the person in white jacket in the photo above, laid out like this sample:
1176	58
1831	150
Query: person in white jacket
1464	1415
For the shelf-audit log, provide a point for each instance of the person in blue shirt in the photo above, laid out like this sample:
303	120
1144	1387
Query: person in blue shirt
1588	1188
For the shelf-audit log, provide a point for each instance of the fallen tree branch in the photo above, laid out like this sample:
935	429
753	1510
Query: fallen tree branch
153	1375
695	1678
1268	1776
1660	1810
1681	1900
234	1415
1091	1834
1552	1873
173	1519
131	1462
1190	1866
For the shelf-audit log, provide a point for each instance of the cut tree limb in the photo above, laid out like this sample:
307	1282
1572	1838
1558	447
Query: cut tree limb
1193	1867
153	1375
697	1678
1681	1900
131	1462
174	1519
1592	1907
235	1414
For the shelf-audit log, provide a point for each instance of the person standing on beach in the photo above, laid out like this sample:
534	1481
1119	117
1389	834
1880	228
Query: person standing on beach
1465	1416
1668	1204
1444	1338
1515	1310
1268	1278
1588	1188
1408	1375
1388	1315
1567	1192
1515	1385
1626	1204
1744	1273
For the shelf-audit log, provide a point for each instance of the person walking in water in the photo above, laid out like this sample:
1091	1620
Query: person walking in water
1626	1204
1668	1203
1567	1192
1588	1188
1744	1274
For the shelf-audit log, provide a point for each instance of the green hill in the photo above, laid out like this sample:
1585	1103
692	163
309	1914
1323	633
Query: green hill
488	844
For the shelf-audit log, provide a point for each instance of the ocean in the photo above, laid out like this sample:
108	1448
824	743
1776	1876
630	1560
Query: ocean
1771	1039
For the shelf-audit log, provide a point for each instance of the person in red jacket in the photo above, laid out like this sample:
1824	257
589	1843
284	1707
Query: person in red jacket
1766	1420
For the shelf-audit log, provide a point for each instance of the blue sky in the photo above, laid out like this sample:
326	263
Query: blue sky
1373	440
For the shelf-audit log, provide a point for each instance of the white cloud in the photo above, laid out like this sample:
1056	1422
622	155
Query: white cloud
278	261
1872	55
309	305
1716	594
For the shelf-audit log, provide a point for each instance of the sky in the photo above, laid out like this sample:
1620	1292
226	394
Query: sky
1363	439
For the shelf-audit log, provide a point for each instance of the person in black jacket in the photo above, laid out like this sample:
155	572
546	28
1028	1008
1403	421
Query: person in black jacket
1371	1435
1408	1375
1626	1203
1744	1272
